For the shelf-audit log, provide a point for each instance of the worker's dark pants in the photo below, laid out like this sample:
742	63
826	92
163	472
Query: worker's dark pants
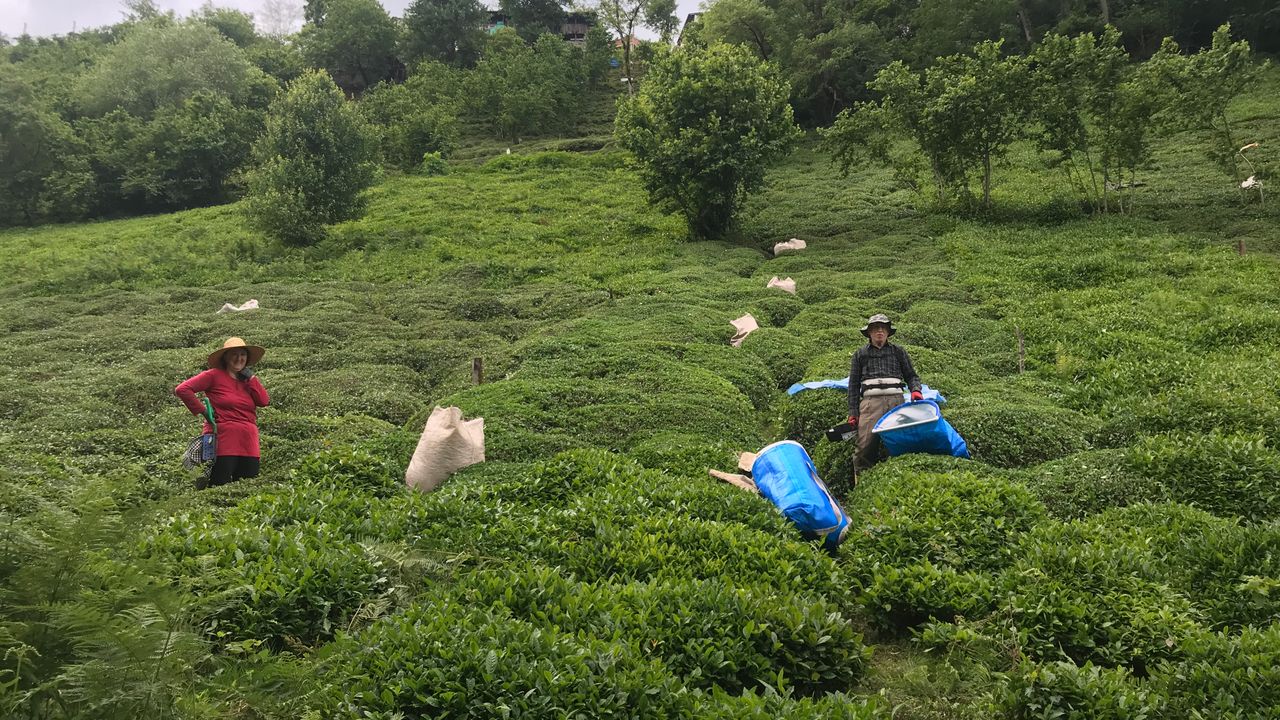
870	411
229	468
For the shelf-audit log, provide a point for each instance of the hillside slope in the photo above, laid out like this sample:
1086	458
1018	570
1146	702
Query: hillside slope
1063	568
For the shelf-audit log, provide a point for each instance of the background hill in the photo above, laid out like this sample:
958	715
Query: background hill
1112	549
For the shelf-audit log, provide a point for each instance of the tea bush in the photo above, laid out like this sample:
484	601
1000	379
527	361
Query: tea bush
299	584
351	468
701	497
673	547
1073	692
1074	596
1017	430
805	416
448	660
898	598
1234	677
783	352
686	456
709	633
959	519
1089	482
1230	475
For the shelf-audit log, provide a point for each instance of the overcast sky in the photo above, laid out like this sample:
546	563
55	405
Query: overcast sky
58	17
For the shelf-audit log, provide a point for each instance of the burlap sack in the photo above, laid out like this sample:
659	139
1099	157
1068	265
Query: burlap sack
745	325
447	445
787	285
792	245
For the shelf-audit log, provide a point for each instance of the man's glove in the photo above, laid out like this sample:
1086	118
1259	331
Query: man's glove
246	373
853	420
916	395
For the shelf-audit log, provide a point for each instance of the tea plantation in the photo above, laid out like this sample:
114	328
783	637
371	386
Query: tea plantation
1112	551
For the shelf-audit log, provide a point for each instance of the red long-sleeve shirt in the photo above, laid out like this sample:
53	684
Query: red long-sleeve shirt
235	408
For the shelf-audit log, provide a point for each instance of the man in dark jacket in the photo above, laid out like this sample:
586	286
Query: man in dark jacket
877	375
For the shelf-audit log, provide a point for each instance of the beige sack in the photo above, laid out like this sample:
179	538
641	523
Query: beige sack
792	245
745	325
447	445
739	481
787	285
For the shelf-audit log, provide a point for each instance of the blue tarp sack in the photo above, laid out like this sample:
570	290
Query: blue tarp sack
843	384
918	427
786	476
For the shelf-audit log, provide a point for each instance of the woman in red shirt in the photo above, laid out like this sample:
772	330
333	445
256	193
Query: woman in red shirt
236	394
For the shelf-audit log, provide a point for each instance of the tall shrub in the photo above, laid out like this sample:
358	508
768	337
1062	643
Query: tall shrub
313	163
1095	110
703	128
961	114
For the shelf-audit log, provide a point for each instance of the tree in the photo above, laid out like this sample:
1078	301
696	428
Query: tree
661	16
354	40
703	128
313	163
451	31
158	65
234	25
1095	113
624	16
962	114
1208	81
44	174
407	124
520	90
533	18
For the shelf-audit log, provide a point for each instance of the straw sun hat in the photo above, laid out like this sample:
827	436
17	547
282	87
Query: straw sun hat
232	343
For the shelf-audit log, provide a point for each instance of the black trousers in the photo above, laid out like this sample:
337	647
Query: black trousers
229	468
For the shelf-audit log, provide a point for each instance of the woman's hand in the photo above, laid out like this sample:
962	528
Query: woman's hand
246	373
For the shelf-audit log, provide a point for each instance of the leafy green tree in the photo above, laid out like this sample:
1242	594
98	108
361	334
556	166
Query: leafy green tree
625	16
407	125
826	51
1096	113
596	53
281	60
157	65
233	25
313	163
533	18
1073	80
355	41
744	22
703	128
962	114
184	157
450	31
44	171
660	15
521	90
1207	82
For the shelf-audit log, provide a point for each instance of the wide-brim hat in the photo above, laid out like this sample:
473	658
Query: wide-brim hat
878	319
233	343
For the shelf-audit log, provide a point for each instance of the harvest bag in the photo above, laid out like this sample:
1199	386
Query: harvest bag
918	427
448	444
786	476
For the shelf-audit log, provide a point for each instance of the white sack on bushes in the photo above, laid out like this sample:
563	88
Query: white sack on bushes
447	445
786	285
791	245
745	325
228	307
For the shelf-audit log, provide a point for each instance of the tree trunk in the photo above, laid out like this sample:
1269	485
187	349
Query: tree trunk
1026	25
986	181
626	65
1106	12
